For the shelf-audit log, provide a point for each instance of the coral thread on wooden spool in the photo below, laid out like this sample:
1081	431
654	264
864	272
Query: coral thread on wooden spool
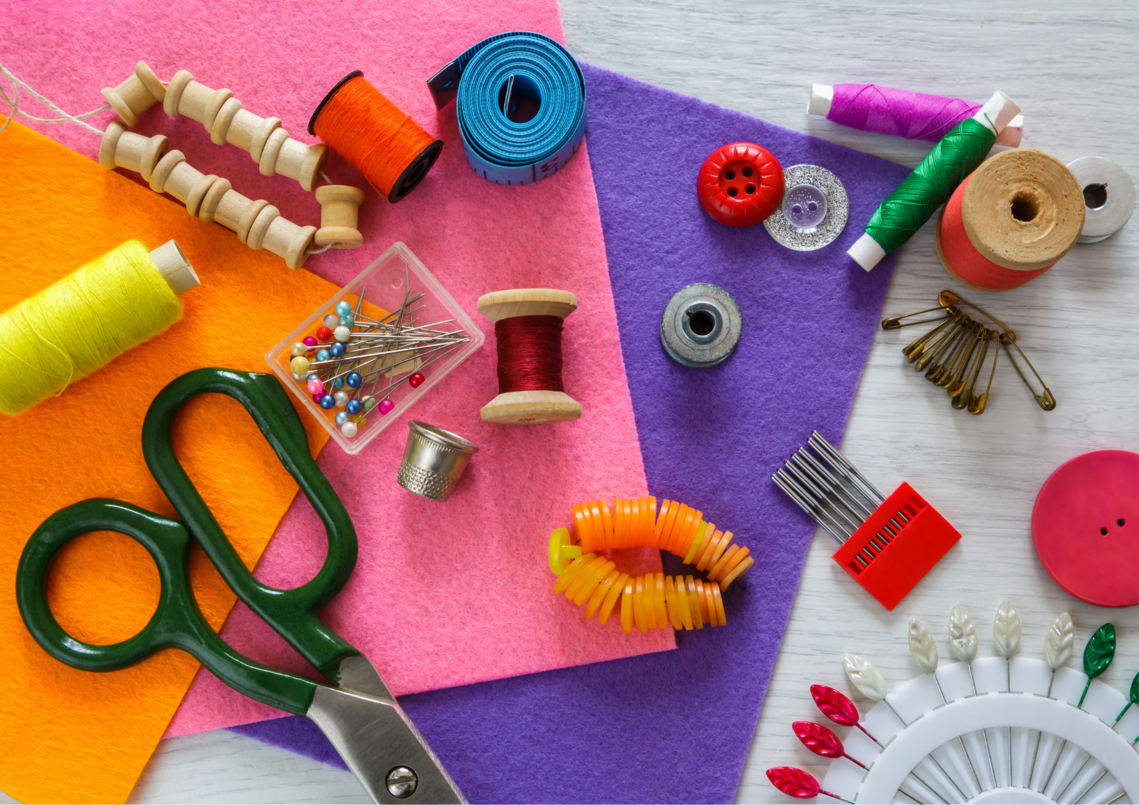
224	117
534	315
1010	221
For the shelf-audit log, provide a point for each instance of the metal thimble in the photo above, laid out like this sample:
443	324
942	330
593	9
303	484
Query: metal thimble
433	461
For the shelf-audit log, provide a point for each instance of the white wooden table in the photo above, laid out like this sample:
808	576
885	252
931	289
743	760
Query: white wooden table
1071	65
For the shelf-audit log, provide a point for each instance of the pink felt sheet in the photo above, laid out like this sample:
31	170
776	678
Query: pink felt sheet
444	593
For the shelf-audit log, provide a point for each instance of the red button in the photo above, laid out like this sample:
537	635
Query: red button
1086	527
740	184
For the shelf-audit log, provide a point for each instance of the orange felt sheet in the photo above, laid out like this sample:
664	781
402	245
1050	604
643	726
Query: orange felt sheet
68	735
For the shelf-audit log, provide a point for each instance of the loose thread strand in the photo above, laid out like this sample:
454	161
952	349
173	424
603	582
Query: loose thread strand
14	103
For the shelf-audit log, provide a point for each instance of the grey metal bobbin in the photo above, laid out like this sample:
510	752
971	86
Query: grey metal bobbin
701	325
433	461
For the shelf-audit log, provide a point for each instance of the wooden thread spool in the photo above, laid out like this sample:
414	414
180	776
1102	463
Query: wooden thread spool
210	198
1019	212
125	149
135	95
175	268
339	216
532	406
226	121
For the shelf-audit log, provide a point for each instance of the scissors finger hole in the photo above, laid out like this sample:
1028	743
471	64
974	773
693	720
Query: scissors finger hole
103	588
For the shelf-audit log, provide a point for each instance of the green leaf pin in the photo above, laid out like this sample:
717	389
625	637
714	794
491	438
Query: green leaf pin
1098	654
1132	698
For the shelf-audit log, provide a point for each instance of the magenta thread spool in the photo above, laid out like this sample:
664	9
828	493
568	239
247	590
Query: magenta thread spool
885	110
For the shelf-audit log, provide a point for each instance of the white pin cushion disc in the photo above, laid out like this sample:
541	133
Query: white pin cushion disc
1085	526
1034	736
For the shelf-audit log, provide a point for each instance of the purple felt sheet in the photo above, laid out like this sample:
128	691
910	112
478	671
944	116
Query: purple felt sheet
676	726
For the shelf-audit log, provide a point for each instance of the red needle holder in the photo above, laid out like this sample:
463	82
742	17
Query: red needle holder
887	544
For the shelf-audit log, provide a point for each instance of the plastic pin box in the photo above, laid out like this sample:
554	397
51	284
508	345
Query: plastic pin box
382	284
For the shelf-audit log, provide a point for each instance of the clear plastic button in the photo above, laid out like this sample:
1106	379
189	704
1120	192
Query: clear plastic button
804	206
813	211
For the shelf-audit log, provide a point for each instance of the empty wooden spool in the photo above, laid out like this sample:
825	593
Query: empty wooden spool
227	121
529	407
211	198
135	95
339	216
125	149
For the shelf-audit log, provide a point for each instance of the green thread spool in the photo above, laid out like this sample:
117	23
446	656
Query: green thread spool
932	182
87	319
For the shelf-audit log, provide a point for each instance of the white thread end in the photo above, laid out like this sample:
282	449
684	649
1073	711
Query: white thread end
866	252
175	268
820	100
997	112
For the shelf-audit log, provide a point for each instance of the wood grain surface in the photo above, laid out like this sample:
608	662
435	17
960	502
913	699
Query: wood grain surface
1072	67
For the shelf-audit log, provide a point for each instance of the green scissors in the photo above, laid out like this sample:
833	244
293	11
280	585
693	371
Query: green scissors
358	713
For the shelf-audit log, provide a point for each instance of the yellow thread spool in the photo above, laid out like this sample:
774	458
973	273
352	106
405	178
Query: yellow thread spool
89	318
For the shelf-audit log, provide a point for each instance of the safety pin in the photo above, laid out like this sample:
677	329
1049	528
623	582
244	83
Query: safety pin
915	349
961	399
1044	400
936	348
894	322
959	301
941	371
960	377
977	402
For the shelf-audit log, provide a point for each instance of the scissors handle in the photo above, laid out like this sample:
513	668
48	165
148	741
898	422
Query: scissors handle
292	613
176	623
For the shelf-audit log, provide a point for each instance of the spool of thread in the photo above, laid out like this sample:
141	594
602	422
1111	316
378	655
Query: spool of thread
389	149
1109	197
885	110
1010	221
932	182
89	318
223	116
528	329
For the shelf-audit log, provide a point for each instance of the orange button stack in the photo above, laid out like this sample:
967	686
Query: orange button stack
653	600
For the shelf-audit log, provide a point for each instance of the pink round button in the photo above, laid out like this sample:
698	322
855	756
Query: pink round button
1086	527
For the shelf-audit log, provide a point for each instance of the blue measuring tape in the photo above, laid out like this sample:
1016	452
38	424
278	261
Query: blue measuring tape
507	77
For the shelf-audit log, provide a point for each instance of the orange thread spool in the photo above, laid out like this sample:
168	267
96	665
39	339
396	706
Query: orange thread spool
377	138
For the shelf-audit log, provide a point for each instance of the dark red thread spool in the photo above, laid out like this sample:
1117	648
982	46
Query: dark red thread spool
529	353
528	329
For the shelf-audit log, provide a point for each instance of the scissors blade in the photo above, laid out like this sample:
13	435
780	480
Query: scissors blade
382	747
358	675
